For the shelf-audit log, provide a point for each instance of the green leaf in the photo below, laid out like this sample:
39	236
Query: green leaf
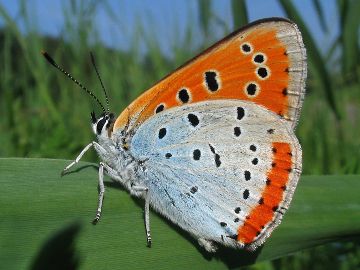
36	203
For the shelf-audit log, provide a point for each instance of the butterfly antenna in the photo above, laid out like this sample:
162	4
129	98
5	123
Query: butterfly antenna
102	85
52	62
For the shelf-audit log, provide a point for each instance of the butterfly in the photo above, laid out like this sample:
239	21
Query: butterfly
212	145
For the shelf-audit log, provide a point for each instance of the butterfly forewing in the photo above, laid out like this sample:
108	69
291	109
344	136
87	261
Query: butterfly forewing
265	63
224	170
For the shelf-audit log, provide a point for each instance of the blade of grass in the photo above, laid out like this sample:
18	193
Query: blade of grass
350	38
318	66
239	13
320	14
31	60
205	16
36	202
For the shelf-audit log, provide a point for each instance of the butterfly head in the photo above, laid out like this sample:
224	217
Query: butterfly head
103	126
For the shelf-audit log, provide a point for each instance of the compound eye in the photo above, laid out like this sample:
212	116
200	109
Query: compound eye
100	125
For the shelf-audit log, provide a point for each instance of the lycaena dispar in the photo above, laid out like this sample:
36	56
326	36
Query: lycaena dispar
212	146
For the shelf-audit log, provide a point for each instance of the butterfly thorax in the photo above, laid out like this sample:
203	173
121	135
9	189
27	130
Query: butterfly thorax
114	150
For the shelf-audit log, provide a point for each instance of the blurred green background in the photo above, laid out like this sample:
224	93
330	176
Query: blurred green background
43	114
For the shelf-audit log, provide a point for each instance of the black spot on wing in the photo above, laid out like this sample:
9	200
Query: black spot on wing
263	72
193	119
217	160
196	154
259	58
211	81
247	175
160	108
237	131
212	149
217	156
246	194
251	89
162	133
270	131
183	95
194	189
240	113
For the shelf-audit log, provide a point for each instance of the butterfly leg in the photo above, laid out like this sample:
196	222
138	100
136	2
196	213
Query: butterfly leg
86	148
137	189
147	212
113	174
101	193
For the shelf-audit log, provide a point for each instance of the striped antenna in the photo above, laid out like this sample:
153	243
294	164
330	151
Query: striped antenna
102	85
51	61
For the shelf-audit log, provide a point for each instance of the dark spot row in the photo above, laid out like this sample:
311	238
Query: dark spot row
193	120
211	81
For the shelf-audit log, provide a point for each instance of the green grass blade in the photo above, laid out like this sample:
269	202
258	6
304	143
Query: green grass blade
320	14
240	13
205	16
317	65
36	202
350	42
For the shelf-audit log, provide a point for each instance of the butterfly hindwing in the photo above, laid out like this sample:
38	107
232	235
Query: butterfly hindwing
224	170
265	63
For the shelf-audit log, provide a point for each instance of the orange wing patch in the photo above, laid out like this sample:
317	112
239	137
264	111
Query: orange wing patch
272	196
263	63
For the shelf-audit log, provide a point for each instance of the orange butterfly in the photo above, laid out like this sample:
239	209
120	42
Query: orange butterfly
212	145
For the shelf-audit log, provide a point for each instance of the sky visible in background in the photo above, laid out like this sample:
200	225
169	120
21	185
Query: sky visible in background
165	20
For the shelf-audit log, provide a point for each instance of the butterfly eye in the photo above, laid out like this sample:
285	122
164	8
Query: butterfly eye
100	125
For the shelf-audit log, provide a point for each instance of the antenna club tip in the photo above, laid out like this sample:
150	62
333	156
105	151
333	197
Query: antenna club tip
48	58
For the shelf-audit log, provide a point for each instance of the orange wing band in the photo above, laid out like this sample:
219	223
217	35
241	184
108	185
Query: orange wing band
272	196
